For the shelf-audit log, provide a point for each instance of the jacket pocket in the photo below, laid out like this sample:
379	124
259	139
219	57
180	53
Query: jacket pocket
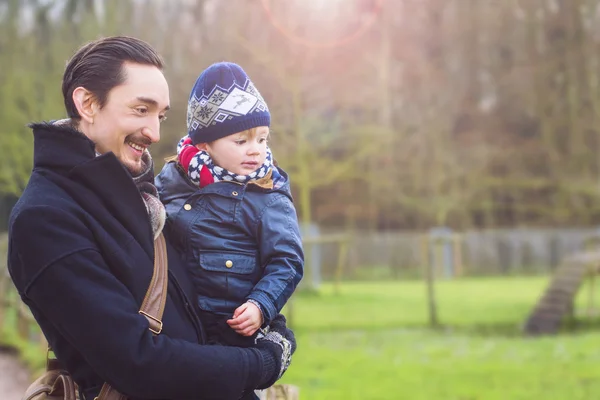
228	263
224	280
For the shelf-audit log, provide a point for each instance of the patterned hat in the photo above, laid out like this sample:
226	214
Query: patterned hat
224	101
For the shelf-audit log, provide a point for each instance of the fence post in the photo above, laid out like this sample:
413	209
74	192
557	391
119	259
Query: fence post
592	289
342	255
429	277
280	392
3	298
457	253
23	325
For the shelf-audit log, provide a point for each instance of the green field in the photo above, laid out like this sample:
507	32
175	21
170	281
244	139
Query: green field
371	342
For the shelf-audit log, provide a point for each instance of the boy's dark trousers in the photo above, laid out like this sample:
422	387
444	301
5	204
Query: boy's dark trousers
219	332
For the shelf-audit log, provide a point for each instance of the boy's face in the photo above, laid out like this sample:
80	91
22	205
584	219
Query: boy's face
241	153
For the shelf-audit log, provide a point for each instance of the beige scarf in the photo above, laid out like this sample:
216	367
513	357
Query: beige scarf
145	184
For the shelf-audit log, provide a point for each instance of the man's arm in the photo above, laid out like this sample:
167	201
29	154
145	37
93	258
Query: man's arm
70	284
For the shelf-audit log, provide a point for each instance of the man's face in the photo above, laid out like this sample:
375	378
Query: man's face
241	153
130	120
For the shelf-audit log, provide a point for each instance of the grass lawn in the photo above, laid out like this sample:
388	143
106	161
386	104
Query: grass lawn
370	342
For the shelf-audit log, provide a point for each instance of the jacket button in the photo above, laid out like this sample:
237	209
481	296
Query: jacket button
187	207
229	263
234	193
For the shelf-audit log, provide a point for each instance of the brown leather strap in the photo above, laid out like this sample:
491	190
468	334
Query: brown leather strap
152	308
153	305
65	384
108	393
50	385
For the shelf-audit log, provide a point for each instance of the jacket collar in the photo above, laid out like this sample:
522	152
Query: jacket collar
60	146
172	184
68	152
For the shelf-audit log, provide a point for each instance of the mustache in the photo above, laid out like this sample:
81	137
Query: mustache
139	139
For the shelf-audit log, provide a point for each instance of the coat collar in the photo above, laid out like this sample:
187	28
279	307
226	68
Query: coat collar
71	154
172	184
60	146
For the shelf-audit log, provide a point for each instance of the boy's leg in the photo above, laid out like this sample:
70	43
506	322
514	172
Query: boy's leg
212	326
230	337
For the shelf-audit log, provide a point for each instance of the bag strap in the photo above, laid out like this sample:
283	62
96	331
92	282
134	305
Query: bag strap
153	305
152	308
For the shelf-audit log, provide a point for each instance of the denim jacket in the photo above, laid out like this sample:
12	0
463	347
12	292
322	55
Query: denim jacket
240	241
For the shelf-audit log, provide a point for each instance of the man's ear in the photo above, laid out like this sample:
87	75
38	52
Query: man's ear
86	105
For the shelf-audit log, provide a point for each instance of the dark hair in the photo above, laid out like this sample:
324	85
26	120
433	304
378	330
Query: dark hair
98	67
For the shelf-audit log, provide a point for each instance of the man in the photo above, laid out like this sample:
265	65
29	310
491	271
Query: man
81	243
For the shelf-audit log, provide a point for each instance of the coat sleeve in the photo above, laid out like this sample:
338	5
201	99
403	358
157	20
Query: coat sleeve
56	266
281	256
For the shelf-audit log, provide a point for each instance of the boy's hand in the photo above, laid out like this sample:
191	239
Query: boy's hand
246	320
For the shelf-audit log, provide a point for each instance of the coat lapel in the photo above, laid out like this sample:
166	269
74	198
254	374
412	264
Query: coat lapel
109	180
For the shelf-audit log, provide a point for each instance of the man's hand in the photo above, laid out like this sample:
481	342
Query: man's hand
281	343
246	320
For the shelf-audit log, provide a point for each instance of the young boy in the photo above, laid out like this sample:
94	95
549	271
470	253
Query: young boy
230	209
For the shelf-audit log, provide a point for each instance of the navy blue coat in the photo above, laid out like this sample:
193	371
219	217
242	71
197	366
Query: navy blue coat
81	257
240	241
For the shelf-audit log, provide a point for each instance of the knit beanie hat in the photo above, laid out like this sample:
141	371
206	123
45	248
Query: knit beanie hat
224	101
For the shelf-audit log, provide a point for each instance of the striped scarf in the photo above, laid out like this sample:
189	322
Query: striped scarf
202	170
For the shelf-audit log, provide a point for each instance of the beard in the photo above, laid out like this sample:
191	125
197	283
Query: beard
137	168
140	167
